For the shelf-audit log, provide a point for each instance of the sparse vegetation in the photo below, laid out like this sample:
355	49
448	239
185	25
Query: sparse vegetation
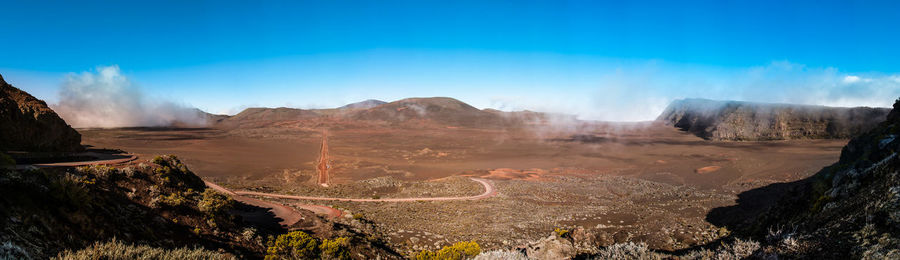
561	232
293	245
97	203
215	205
628	250
116	249
9	250
337	248
738	249
734	250
457	251
173	200
6	161
501	255
71	189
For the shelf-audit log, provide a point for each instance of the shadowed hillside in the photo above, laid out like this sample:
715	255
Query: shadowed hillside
28	124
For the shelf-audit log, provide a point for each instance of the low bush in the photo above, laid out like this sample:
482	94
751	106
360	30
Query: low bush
173	200
338	248
458	251
293	245
561	232
628	250
215	205
159	160
6	161
501	255
72	189
117	250
9	250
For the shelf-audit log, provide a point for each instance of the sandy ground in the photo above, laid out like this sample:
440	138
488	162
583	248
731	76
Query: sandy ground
624	183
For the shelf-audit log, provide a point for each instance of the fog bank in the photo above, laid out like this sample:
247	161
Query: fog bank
106	98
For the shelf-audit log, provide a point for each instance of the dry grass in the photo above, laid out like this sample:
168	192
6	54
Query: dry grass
117	250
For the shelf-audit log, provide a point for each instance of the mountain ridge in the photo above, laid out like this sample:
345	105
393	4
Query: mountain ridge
752	121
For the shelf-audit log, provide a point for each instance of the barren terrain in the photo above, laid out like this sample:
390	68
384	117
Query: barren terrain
622	182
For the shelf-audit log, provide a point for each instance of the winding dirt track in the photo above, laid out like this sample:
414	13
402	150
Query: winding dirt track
489	191
287	215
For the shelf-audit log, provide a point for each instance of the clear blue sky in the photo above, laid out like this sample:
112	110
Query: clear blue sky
223	55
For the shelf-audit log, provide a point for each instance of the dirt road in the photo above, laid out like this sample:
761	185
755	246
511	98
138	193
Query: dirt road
489	191
287	215
323	165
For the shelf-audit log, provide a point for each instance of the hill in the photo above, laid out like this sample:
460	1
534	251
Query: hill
28	124
441	110
260	116
747	121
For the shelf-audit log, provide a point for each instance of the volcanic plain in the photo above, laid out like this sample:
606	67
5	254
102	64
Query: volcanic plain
609	182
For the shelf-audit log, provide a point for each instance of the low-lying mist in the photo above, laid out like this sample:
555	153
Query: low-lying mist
106	98
640	92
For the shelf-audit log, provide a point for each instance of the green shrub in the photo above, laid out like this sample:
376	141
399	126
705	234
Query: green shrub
159	160
458	251
357	216
72	189
6	161
293	245
561	232
215	204
338	248
173	200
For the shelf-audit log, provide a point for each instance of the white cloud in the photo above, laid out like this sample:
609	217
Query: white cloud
107	98
851	79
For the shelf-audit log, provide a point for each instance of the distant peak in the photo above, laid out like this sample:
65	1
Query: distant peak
365	104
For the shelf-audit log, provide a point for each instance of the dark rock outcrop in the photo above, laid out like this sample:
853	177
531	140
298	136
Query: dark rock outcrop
28	124
748	121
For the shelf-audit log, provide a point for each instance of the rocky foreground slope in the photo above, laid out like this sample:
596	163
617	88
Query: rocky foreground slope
748	121
28	124
849	209
146	209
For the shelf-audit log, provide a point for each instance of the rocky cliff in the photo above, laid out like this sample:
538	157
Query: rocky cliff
748	121
28	124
